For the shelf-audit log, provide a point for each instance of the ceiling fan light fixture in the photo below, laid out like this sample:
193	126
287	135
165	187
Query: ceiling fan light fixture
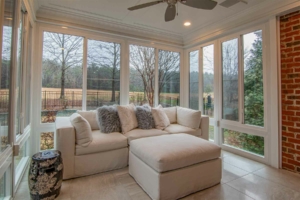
187	23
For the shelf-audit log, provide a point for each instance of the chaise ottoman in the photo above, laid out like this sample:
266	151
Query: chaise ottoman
173	166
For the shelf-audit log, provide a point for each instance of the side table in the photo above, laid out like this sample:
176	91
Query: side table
45	175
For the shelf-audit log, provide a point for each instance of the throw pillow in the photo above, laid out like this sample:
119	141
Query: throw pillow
127	118
188	117
90	116
144	117
83	130
160	118
171	112
108	119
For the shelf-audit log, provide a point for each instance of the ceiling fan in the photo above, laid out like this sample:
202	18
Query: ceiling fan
171	9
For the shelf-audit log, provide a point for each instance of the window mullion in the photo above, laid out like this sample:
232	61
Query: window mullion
200	82
241	80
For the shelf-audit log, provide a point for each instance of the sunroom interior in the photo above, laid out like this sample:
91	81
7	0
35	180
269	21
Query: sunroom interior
61	56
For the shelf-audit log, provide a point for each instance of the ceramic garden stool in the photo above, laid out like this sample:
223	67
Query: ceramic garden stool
45	175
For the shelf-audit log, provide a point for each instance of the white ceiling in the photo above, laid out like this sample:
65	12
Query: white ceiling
151	17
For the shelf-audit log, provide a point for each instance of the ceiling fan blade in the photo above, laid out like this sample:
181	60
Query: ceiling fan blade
170	13
229	3
144	5
201	4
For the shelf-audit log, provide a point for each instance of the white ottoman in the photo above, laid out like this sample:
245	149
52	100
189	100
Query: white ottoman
173	166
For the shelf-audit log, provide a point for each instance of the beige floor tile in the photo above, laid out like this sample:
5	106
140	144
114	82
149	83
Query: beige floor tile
260	188
243	163
218	192
22	194
226	154
283	177
119	172
140	196
125	179
230	172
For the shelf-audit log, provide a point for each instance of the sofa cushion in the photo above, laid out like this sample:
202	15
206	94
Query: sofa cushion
103	142
170	152
144	117
177	128
90	116
127	118
141	133
160	118
108	119
83	130
188	117
171	112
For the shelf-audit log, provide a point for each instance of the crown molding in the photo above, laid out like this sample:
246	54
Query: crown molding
252	16
51	12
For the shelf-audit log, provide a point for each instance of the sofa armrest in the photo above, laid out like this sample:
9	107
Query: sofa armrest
204	126
65	143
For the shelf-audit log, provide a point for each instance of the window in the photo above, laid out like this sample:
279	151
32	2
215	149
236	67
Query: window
28	79
169	78
61	75
251	143
103	74
230	66
253	79
47	140
142	74
5	78
208	80
194	80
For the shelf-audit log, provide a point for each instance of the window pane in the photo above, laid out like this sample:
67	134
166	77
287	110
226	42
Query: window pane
253	79
28	79
142	73
47	140
62	75
5	72
20	160
169	78
230	80
211	133
103	74
251	143
194	80
208	80
5	185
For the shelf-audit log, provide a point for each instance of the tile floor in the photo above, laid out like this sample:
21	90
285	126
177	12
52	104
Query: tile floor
242	179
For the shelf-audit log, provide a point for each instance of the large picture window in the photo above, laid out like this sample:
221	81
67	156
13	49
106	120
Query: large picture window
194	80
208	80
142	74
169	78
61	75
103	74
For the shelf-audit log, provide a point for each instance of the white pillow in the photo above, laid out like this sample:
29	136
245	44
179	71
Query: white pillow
90	116
127	117
160	118
188	117
171	112
83	130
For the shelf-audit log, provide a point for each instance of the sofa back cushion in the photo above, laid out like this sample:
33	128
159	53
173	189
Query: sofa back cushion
160	118
127	118
90	116
108	119
171	112
188	117
144	117
83	130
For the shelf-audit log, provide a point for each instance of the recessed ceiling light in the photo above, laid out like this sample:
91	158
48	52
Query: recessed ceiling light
64	27
9	18
187	23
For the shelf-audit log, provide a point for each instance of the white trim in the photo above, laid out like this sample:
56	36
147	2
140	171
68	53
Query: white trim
84	73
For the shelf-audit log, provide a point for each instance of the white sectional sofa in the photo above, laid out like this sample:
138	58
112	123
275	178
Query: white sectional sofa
109	151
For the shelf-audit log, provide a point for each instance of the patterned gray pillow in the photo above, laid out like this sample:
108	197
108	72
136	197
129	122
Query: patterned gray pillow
144	117
108	119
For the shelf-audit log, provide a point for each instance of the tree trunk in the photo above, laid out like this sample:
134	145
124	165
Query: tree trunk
62	90
63	69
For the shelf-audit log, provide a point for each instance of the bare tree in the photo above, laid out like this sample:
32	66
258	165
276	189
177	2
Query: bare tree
142	59
169	64
108	55
65	50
